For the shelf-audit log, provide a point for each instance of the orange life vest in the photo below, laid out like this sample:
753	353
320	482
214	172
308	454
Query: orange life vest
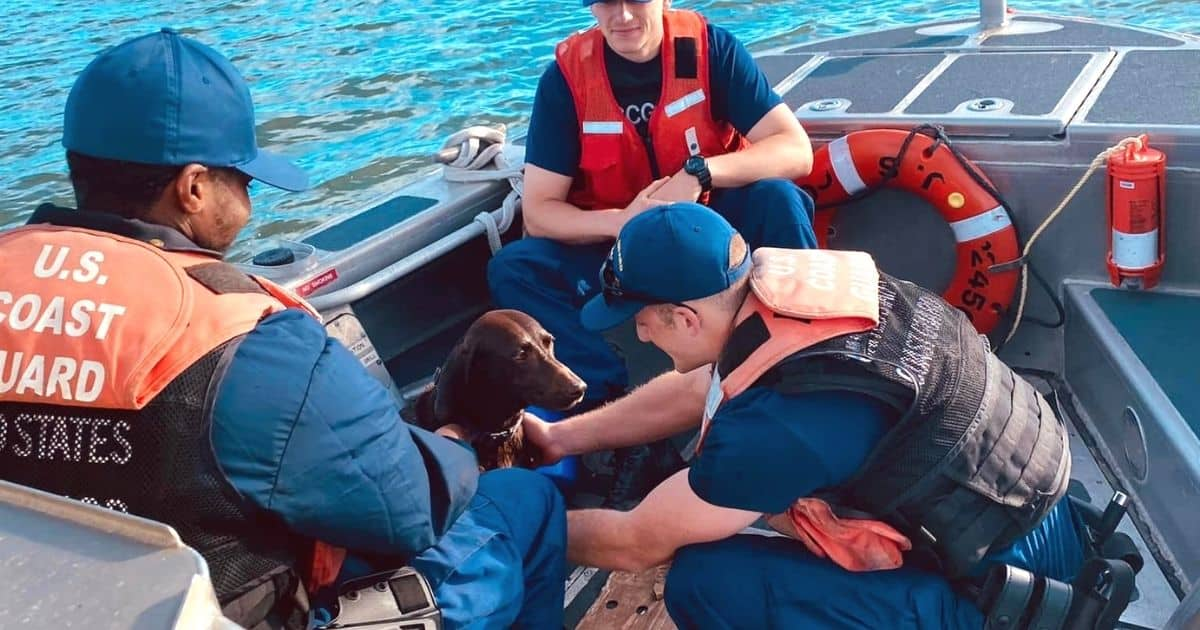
805	297
615	161
93	319
97	320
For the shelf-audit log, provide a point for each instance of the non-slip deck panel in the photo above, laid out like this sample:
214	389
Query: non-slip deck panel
778	67
1081	34
1034	82
873	85
1161	329
1164	85
366	224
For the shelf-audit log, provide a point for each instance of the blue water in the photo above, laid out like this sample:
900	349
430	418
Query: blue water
360	93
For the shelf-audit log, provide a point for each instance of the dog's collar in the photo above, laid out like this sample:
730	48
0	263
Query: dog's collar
507	433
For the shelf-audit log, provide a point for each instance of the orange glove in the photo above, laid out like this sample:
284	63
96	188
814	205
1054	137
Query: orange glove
853	544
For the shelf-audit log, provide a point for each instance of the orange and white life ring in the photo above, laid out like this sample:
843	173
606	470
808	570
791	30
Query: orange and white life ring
862	160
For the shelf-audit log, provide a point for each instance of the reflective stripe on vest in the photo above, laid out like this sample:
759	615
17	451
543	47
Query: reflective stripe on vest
92	319
614	165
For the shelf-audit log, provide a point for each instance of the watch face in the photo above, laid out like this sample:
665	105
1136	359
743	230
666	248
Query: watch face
693	164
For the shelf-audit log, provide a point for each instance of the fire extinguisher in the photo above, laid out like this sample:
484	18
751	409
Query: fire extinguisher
1137	188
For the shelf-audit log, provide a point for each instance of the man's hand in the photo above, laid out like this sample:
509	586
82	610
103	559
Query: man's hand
539	435
643	202
680	187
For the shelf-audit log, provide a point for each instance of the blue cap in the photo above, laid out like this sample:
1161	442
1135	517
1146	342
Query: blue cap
667	254
169	100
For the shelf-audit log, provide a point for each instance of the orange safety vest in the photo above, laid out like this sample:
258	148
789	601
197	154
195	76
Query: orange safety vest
805	297
615	161
93	319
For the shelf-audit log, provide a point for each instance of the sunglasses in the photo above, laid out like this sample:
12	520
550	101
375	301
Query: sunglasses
612	290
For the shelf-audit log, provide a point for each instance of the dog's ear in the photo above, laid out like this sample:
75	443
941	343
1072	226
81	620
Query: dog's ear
451	382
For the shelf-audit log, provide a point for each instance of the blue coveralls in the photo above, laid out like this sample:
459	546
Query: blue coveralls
764	449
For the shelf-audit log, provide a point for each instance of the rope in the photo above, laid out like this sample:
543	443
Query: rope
466	155
1100	160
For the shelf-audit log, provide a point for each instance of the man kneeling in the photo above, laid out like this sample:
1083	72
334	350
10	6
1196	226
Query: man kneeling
862	413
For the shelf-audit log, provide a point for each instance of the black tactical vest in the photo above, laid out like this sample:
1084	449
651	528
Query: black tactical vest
977	459
158	463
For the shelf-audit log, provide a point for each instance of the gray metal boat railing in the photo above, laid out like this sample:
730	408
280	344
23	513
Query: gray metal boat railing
399	269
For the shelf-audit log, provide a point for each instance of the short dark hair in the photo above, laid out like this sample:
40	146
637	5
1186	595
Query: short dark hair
128	189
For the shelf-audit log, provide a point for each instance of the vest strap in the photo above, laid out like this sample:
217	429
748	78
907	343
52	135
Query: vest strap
745	339
801	376
222	278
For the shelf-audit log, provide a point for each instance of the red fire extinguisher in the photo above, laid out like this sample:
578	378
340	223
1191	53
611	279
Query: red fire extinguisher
1137	189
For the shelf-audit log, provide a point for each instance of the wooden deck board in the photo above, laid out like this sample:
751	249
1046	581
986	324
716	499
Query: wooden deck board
630	601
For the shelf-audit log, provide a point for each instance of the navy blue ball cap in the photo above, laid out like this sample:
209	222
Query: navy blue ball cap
671	253
169	100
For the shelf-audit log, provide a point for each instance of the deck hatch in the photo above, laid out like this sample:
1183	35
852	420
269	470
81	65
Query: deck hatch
872	84
1034	82
1175	101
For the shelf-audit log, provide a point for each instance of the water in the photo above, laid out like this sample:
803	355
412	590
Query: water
360	93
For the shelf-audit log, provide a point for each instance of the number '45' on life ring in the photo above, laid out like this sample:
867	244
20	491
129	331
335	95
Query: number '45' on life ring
864	160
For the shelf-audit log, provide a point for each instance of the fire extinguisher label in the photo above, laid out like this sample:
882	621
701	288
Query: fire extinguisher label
1127	185
1134	251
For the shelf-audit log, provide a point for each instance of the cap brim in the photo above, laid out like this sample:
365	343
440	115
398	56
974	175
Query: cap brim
599	314
275	170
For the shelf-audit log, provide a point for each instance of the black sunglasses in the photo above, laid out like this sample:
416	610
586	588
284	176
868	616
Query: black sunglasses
612	290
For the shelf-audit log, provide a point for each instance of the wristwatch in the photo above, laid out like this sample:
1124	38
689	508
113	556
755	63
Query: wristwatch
697	166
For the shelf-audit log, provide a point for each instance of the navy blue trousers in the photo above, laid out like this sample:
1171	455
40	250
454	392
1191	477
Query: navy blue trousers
758	582
551	280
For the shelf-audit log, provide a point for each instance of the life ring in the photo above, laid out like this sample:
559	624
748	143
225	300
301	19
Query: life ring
863	160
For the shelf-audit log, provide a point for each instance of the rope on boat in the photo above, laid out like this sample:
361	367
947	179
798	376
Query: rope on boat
466	155
1100	160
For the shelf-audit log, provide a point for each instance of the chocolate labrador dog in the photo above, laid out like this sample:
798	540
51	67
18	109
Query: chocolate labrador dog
504	363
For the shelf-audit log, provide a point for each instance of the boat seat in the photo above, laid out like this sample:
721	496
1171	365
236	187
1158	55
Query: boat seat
1128	365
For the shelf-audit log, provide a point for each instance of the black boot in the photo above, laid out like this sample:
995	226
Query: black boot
629	483
638	470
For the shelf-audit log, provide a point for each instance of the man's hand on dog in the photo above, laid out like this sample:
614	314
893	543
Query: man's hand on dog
539	440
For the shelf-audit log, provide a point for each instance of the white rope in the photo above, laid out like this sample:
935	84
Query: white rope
1100	160
467	154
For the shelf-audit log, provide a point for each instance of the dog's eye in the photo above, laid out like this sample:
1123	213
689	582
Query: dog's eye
523	352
